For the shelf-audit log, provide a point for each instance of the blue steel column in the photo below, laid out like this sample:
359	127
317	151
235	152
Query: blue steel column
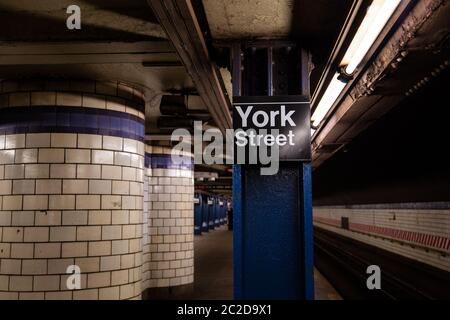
216	212
273	245
308	254
223	215
205	216
198	215
238	256
211	212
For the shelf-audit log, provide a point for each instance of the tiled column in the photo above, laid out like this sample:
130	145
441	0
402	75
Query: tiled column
71	189
145	236
171	219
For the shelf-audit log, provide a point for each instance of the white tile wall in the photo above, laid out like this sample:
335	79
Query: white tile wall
63	201
169	252
78	198
435	222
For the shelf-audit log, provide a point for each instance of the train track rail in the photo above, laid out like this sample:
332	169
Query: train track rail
344	261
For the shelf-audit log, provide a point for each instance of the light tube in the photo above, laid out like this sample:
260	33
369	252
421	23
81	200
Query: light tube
329	97
376	18
374	21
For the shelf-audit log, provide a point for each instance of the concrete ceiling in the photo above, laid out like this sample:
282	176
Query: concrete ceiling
237	19
315	24
45	20
152	80
115	39
119	40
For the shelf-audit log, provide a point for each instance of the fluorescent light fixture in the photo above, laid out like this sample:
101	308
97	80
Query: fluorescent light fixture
374	21
329	97
376	18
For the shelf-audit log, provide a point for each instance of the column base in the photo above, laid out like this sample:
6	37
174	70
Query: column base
168	293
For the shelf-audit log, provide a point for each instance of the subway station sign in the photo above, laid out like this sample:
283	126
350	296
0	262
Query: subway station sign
268	121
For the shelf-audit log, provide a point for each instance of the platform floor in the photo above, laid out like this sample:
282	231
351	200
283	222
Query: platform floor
324	290
213	278
213	273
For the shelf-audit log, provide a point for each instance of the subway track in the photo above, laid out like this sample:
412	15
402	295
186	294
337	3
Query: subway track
344	261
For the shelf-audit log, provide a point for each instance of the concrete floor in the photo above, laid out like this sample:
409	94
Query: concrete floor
213	266
213	277
324	290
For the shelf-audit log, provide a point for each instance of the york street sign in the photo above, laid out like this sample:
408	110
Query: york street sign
273	121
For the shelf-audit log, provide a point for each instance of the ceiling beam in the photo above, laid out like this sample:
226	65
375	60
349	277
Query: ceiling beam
180	23
32	53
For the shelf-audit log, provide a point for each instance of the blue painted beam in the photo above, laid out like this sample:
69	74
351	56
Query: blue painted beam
273	233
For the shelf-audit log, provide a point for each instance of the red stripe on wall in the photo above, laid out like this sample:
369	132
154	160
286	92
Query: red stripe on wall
410	236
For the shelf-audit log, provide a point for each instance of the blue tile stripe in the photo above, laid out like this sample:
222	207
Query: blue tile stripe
164	161
57	119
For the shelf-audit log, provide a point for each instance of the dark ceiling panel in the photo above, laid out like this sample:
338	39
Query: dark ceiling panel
403	157
317	24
